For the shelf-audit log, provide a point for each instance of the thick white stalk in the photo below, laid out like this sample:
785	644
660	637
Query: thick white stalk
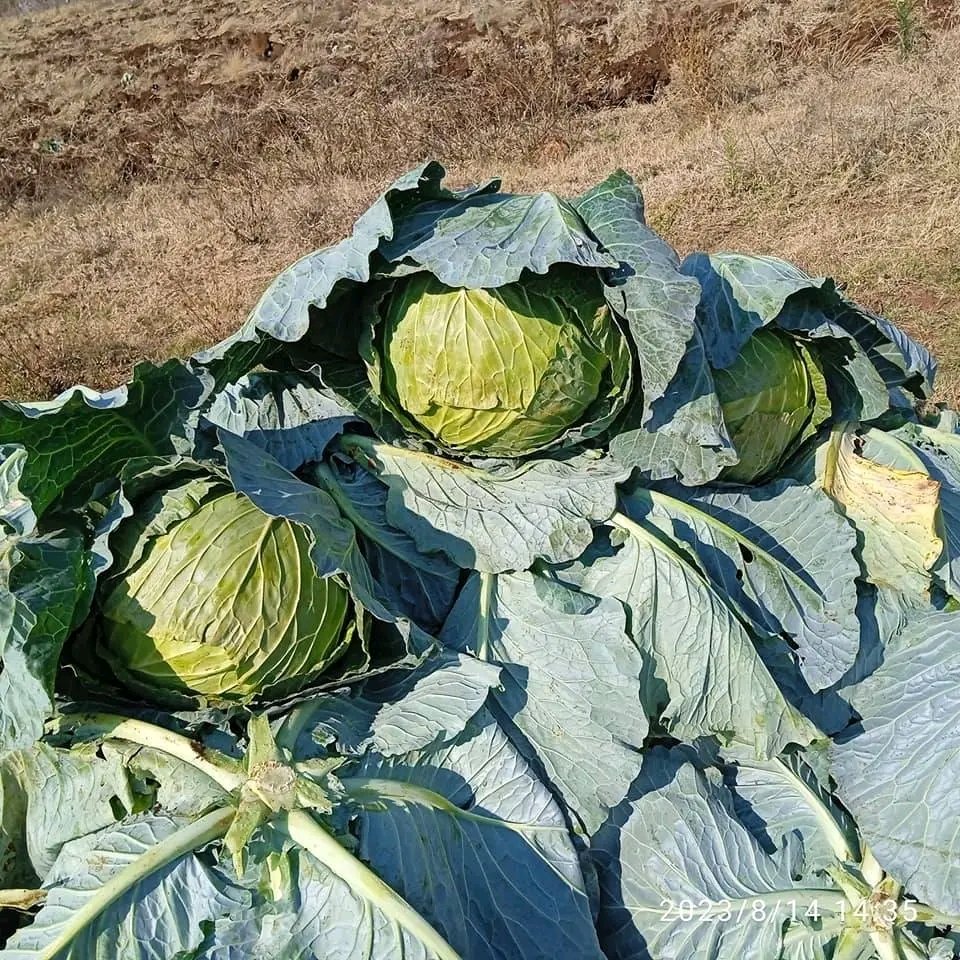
488	583
190	837
305	831
367	789
871	870
20	898
884	941
157	738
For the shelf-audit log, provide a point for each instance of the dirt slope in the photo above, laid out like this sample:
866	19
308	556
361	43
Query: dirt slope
160	162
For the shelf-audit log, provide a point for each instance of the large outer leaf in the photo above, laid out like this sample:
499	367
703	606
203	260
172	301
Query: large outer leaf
656	300
490	240
283	413
458	825
317	914
887	494
707	676
473	237
741	294
786	798
156	919
493	521
177	787
15	869
45	583
399	712
84	437
279	493
16	511
495	871
418	584
900	360
939	452
899	775
68	794
744	292
783	555
680	843
686	437
570	681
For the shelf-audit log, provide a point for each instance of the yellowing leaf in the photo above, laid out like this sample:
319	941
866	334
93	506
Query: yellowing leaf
895	508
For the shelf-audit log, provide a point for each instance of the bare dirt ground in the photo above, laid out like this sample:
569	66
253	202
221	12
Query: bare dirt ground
160	161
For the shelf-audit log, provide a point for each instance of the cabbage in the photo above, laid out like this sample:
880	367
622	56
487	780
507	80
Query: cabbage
224	603
767	399
502	371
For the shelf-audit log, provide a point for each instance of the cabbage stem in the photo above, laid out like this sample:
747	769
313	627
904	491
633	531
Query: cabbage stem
886	945
871	870
932	917
149	735
488	584
360	448
307	833
375	790
20	898
194	835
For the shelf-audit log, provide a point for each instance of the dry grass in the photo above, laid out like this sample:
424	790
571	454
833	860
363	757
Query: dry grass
161	163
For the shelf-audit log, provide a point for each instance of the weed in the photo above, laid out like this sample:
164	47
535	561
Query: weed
908	26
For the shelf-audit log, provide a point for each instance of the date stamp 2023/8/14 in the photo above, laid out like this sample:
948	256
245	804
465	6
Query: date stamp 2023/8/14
880	913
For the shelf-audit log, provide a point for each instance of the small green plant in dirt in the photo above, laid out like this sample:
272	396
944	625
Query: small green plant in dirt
909	29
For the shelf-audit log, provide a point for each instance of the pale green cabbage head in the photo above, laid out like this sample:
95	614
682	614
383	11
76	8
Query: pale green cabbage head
767	397
497	372
224	603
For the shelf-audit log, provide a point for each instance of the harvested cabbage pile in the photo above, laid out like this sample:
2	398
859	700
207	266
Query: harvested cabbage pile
504	588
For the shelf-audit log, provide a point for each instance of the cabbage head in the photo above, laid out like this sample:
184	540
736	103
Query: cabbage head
767	397
214	599
497	372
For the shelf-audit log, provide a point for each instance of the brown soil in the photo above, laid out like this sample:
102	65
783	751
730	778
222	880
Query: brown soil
161	161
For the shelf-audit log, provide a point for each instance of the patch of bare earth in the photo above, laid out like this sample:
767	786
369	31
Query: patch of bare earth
161	162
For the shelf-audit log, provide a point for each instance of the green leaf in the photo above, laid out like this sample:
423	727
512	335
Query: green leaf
741	294
15	868
133	890
454	831
649	292
680	847
313	913
16	511
178	788
418	584
744	292
783	556
279	493
398	712
251	814
84	437
68	793
686	437
45	584
493	520
784	798
490	240
283	413
707	676
898	772
571	681
471	853
283	312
